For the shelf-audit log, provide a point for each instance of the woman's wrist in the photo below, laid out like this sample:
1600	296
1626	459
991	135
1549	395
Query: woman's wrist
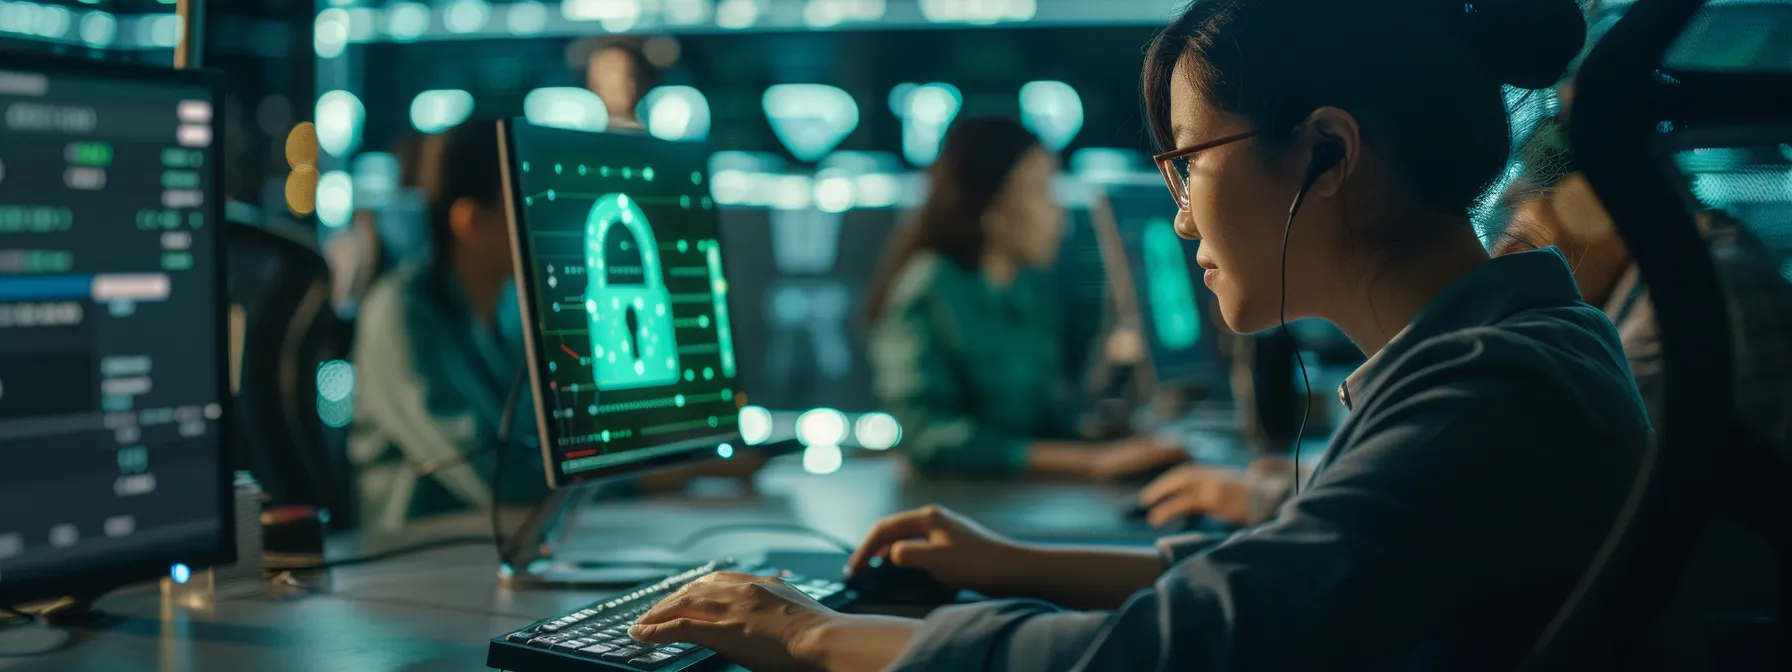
853	643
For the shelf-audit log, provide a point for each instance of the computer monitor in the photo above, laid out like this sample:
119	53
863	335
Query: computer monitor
1154	277
625	302
113	365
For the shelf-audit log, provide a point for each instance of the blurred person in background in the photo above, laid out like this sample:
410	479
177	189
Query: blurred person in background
621	74
438	347
963	340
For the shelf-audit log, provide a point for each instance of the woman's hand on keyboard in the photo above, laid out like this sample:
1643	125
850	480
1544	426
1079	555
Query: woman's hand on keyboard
767	625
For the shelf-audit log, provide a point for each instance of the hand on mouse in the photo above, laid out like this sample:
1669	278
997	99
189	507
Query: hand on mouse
949	547
1191	490
1132	456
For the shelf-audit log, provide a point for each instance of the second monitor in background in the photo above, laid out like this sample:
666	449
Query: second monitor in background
630	345
1157	291
627	328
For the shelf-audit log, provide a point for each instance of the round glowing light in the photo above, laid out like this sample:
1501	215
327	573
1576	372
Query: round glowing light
685	12
822	460
526	18
793	193
834	194
877	190
933	104
755	425
466	16
166	31
737	14
339	118
406	21
730	186
566	107
821	427
676	113
329	33
441	109
335	380
53	22
98	29
180	572
725	451
335	199
877	431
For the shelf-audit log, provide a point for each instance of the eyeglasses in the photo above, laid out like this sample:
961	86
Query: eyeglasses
1174	165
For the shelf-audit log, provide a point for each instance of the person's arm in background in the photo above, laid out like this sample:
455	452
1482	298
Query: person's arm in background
391	403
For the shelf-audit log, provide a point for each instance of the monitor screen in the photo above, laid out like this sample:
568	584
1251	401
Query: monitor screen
1174	305
112	364
631	345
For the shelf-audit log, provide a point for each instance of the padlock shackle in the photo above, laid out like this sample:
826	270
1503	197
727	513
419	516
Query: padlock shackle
611	209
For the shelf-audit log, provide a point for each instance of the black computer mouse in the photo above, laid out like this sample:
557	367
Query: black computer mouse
889	585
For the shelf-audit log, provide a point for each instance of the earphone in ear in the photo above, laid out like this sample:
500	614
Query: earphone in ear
1326	155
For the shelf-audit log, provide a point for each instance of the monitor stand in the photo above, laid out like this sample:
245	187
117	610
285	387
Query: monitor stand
537	562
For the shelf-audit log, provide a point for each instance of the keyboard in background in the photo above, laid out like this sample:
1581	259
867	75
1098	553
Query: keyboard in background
596	637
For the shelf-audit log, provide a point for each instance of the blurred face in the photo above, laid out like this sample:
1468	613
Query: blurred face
1239	195
1024	221
611	76
481	237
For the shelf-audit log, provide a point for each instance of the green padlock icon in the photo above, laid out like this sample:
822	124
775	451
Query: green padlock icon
633	342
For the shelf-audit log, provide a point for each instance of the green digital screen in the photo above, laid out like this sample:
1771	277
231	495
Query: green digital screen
633	343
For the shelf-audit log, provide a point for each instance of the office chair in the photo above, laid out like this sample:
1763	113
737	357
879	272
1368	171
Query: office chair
1631	113
281	286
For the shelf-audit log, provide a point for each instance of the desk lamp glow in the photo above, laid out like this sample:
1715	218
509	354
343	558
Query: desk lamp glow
926	112
566	107
676	113
1053	111
810	119
441	109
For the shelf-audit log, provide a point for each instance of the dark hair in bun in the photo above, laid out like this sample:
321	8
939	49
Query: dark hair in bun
1424	78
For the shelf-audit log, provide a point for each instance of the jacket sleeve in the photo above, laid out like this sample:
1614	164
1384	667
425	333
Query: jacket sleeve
1412	550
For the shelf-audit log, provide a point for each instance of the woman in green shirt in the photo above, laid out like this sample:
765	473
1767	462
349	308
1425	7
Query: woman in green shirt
964	340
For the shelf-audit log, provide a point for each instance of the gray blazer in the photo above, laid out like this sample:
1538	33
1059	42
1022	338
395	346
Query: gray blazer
1488	450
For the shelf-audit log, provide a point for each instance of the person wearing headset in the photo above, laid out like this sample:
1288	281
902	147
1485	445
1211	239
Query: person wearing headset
1327	153
964	343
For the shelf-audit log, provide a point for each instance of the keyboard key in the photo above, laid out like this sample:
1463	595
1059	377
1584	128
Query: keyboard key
625	653
567	645
596	650
651	660
677	647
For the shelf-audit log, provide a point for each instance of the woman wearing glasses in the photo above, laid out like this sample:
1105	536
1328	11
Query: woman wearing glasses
1329	152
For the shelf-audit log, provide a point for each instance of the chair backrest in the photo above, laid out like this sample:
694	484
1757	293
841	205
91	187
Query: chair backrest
280	286
1640	111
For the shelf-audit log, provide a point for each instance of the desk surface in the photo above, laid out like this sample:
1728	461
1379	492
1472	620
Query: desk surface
435	611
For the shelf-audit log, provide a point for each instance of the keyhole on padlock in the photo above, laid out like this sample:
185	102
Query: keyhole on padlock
634	332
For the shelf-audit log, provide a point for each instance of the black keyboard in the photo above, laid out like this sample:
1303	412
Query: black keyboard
596	637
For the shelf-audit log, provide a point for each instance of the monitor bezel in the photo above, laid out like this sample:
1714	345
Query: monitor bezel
93	583
526	297
1129	291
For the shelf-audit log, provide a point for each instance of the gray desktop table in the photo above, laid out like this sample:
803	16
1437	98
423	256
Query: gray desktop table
436	610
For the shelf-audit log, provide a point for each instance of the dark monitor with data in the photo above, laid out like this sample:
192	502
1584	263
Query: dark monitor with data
625	300
113	373
1176	310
